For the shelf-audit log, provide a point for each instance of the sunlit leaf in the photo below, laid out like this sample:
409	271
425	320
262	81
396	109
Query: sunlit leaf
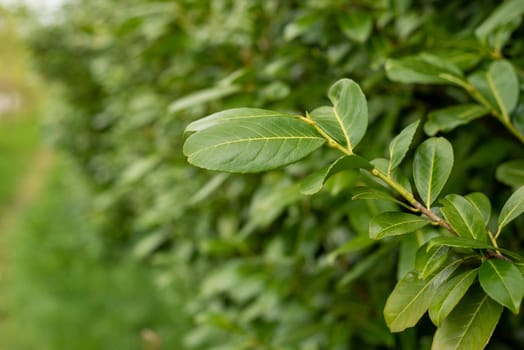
394	224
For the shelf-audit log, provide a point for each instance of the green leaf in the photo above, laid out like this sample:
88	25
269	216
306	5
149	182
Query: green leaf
424	69
431	168
449	118
203	96
356	25
465	219
511	173
470	325
394	224
503	15
458	242
503	282
347	120
399	146
411	297
429	261
251	144
373	193
231	115
504	86
314	182
449	294
513	207
481	203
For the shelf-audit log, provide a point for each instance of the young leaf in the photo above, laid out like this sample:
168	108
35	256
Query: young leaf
447	119
512	208
429	261
399	146
347	120
465	219
314	182
424	69
394	224
481	203
511	173
251	144
449	294
470	325
504	14
503	282
504	86
411	298
431	168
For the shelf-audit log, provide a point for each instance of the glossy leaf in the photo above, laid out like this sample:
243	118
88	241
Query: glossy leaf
482	204
465	219
447	119
470	325
458	242
513	207
347	120
411	298
503	282
449	295
399	146
394	224
504	86
356	25
314	182
508	11
252	144
511	173
429	261
423	68
431	168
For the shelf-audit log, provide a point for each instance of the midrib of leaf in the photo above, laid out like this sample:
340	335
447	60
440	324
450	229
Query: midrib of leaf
346	136
466	223
255	139
468	326
497	96
501	279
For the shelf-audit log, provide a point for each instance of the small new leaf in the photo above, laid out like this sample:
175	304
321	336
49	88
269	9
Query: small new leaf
399	146
512	208
503	282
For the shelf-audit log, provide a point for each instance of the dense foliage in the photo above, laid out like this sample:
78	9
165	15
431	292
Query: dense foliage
273	268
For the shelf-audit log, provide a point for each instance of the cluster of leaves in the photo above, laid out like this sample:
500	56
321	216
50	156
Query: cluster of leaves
278	269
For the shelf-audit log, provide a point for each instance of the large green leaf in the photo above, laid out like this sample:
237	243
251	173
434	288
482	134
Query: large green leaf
431	168
504	86
507	12
399	146
458	242
427	261
465	219
411	298
482	204
513	207
449	295
251	144
503	282
394	224
470	325
347	120
423	68
511	173
314	182
447	119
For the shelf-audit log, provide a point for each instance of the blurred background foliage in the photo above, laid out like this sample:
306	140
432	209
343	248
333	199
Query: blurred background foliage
131	248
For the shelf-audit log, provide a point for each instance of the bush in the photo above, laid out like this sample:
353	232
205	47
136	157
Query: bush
282	270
